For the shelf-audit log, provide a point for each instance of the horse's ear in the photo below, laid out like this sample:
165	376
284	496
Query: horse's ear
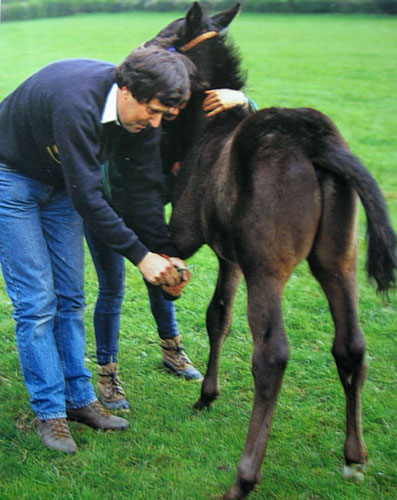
193	17
224	18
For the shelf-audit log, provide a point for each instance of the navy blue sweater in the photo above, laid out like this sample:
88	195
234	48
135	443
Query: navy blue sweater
51	130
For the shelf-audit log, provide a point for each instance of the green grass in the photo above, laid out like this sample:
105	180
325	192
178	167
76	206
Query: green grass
344	66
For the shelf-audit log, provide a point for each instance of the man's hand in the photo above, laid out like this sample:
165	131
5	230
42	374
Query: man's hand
181	268
174	292
169	272
159	270
219	100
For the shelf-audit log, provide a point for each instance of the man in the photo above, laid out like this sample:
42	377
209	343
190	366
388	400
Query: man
52	146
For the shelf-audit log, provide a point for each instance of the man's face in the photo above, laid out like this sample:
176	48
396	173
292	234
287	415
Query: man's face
135	116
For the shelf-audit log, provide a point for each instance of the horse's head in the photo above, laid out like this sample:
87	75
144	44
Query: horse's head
202	39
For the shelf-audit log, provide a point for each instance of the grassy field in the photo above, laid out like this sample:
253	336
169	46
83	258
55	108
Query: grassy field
345	66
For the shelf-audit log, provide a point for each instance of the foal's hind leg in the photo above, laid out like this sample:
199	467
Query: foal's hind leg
333	263
269	361
219	317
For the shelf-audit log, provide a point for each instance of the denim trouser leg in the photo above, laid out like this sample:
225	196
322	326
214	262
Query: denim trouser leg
109	266
110	270
42	262
163	311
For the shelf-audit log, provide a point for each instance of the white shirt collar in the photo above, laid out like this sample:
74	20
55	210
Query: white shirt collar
109	113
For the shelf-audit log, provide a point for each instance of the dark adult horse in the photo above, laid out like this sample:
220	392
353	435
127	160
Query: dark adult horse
266	191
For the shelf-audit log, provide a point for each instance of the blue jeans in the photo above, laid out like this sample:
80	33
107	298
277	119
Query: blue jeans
41	254
110	270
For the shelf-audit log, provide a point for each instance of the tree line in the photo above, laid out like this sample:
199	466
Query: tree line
12	10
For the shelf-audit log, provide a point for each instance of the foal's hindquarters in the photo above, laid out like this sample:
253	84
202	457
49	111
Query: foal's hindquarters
284	211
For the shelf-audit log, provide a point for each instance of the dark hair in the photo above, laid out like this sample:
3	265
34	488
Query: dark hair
152	72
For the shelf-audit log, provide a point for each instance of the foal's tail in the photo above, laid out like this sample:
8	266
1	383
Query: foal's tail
315	134
382	243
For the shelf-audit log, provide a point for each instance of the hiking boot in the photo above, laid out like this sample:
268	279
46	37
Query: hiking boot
97	417
110	392
55	434
175	359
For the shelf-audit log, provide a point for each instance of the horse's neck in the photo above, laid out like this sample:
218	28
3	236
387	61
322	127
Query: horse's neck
196	128
205	194
203	141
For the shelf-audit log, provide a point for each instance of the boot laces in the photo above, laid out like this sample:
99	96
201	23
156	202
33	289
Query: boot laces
100	409
114	383
180	358
59	428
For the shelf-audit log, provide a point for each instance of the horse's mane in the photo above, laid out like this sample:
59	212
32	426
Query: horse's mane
227	61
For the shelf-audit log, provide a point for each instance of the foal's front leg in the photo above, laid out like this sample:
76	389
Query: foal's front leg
219	318
269	360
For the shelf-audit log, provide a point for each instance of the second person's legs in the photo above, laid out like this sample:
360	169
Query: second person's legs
110	270
174	356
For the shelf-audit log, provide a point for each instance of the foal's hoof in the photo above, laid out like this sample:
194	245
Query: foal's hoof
354	472
240	489
235	493
200	405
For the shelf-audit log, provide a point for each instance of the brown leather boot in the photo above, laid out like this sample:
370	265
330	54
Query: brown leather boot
110	392
175	359
55	434
97	417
